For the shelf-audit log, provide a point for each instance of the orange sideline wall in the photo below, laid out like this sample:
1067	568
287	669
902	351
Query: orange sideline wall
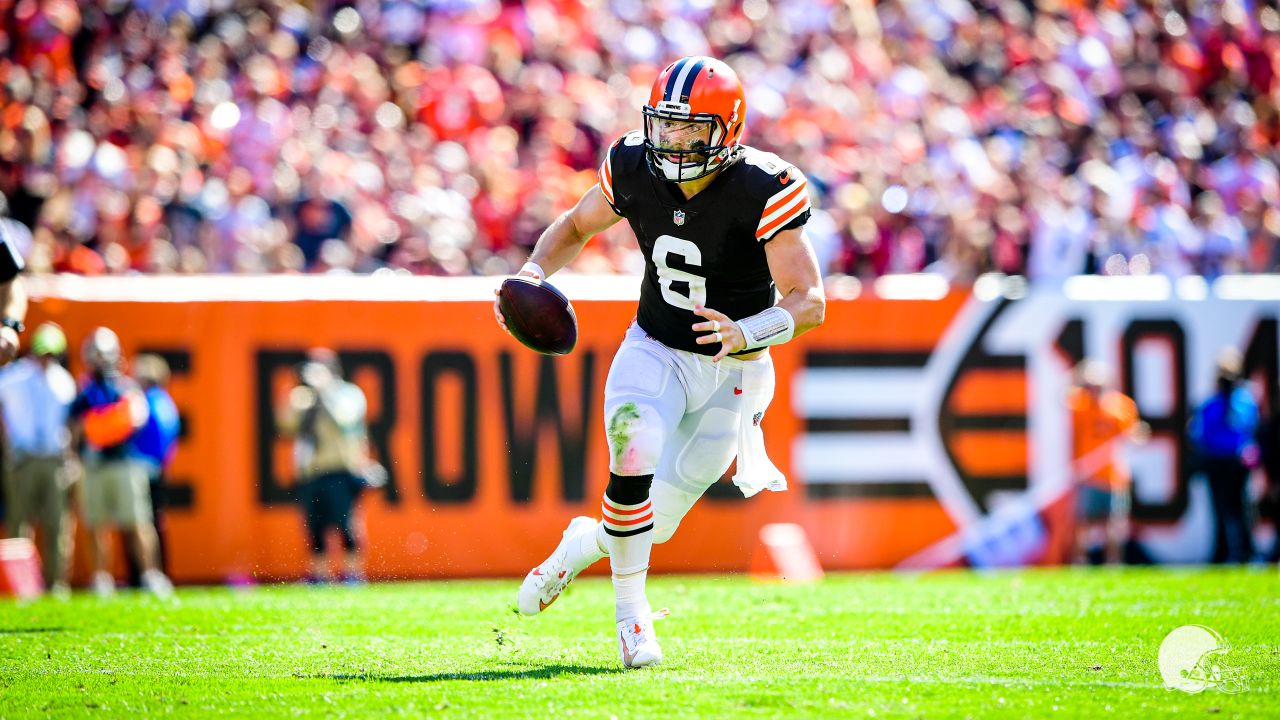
448	391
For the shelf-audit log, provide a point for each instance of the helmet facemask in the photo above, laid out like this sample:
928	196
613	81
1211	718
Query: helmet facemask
1213	671
682	146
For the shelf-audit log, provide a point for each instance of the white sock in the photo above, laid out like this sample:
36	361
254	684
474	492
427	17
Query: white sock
629	540
629	596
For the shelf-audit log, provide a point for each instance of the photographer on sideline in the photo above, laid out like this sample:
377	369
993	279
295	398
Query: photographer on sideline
327	418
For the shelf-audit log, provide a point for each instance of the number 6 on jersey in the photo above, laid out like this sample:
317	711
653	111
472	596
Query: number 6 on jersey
666	274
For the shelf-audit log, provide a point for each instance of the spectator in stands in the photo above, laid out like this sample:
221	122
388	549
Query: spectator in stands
107	414
1222	433
940	136
35	399
326	417
1102	419
156	442
315	220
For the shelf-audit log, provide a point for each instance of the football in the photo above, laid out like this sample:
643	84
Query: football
538	315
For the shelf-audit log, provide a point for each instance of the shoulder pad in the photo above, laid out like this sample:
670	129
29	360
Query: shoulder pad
624	156
780	190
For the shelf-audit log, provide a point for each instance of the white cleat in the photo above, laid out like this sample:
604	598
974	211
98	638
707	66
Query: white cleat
638	642
544	583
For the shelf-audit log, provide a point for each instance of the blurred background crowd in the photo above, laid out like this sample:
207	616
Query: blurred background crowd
1037	137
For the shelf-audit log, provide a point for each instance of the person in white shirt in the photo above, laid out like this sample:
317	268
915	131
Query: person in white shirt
35	398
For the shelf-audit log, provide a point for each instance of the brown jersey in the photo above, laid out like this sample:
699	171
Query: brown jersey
709	249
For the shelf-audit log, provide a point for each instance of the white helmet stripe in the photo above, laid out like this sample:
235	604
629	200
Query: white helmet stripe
671	79
684	83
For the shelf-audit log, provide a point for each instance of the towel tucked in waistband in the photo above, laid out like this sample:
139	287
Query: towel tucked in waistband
755	470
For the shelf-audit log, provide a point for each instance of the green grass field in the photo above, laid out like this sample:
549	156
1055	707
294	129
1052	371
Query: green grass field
1073	643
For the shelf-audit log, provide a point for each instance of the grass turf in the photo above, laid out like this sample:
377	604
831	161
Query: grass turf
1045	643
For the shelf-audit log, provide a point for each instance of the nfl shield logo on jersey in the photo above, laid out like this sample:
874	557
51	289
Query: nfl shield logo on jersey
678	218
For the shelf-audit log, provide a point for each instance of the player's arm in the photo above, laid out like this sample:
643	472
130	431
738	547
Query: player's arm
561	242
13	308
563	239
794	267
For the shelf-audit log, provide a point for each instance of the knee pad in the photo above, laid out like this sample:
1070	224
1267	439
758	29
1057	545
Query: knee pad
636	434
707	452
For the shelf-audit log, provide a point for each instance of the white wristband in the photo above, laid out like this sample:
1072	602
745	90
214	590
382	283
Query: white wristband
771	327
535	268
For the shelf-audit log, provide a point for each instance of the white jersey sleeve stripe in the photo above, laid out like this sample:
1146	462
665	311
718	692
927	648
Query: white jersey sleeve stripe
767	231
783	202
606	178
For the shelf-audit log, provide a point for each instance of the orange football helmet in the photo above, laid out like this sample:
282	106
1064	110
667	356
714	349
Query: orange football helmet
694	118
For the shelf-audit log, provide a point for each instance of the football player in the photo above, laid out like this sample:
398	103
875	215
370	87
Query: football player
728	273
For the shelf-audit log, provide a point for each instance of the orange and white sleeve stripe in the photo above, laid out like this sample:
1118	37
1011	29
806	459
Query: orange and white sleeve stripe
606	177
786	205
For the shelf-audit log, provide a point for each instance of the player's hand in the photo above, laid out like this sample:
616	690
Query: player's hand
720	328
8	344
497	313
497	310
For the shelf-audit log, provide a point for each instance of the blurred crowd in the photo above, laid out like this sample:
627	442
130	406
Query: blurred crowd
1037	137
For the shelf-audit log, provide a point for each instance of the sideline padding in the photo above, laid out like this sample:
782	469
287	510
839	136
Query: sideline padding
492	448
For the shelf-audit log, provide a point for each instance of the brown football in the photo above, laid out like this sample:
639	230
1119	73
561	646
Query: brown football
538	315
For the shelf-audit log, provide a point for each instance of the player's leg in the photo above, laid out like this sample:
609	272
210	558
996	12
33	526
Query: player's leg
644	401
638	427
695	454
700	450
585	541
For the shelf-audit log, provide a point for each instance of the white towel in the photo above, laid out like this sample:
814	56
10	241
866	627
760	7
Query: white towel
756	471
